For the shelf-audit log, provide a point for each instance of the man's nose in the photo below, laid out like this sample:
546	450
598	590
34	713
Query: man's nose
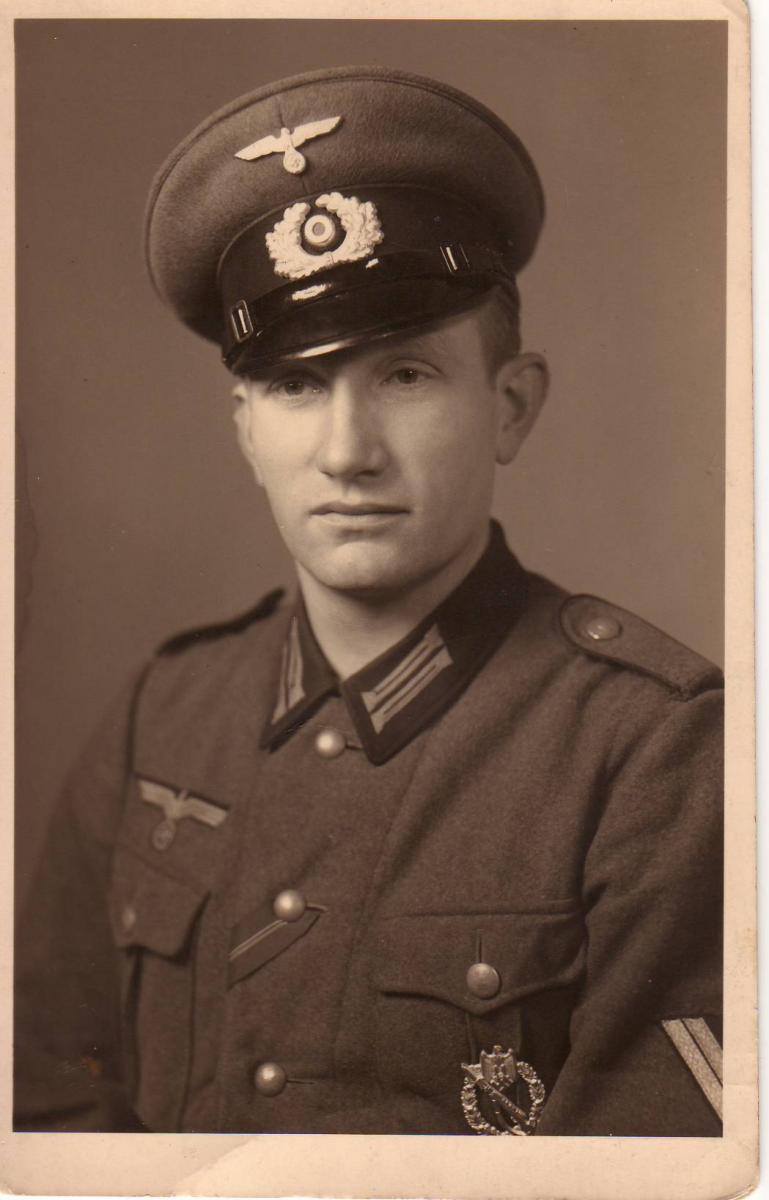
351	441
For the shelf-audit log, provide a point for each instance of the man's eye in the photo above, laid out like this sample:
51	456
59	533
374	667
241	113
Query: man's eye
408	376
294	388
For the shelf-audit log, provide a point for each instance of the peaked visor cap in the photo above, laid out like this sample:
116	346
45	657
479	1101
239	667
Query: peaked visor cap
336	206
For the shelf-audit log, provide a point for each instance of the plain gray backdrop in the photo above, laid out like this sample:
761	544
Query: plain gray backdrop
138	518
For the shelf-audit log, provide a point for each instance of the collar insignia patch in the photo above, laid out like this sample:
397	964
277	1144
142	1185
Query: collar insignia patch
402	691
486	1101
410	677
290	686
286	143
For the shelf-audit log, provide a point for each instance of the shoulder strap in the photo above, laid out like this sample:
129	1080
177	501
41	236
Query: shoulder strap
209	633
607	632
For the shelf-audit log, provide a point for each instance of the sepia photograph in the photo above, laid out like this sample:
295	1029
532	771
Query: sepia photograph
371	434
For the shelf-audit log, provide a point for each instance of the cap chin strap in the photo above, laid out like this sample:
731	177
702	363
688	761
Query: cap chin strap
475	267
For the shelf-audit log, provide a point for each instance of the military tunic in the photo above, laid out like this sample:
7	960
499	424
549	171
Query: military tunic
276	902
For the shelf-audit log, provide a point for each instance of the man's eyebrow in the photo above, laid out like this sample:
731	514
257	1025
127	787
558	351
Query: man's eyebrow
426	344
265	373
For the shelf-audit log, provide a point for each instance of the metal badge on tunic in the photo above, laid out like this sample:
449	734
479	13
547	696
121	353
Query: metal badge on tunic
353	221
486	1099
286	143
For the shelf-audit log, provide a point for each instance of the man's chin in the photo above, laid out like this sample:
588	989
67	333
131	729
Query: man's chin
362	571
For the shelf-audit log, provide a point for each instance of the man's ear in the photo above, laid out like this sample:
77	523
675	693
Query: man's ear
521	385
242	419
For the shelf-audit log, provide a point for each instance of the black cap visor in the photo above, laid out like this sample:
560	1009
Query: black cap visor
354	315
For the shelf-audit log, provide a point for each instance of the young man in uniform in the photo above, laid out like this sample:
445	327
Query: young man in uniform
431	846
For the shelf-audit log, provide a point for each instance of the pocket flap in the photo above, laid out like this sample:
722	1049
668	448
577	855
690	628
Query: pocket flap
150	909
429	954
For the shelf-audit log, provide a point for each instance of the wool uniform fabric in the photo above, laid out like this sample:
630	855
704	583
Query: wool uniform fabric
303	962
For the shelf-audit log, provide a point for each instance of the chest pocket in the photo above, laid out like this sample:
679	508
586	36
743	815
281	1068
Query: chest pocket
451	985
164	866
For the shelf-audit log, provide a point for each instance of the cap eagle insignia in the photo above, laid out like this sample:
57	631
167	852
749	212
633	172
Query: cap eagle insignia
286	143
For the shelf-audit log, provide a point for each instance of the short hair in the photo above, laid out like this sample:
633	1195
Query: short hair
500	326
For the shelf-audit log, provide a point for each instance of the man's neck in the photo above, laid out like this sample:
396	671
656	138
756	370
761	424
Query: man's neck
353	629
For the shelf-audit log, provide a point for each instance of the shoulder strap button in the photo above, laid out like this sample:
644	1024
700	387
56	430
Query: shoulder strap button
602	629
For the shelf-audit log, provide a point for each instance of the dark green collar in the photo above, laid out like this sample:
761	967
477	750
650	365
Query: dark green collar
396	695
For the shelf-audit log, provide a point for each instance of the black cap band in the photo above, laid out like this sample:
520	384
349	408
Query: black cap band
250	325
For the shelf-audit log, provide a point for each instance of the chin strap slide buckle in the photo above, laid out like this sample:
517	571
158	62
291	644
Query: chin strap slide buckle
456	258
240	319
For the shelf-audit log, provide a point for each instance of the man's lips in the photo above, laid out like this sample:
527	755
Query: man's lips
367	509
366	517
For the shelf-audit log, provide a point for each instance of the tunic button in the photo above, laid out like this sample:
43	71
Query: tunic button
128	918
289	905
163	834
483	980
330	743
601	629
269	1079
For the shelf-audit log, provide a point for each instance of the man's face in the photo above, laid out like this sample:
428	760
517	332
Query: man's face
378	461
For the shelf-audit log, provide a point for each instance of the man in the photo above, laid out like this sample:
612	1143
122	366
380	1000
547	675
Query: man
431	847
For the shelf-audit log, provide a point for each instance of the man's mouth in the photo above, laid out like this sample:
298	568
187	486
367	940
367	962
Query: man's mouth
358	516
356	510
